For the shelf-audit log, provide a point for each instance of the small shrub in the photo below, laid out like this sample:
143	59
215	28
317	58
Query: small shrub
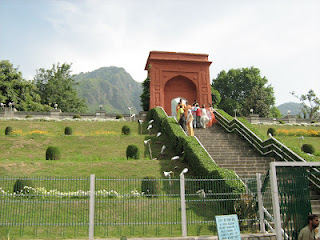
133	152
20	184
68	131
53	153
8	130
77	116
28	116
308	148
126	130
150	186
272	131
281	122
119	116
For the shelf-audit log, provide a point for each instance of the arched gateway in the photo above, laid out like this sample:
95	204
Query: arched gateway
175	75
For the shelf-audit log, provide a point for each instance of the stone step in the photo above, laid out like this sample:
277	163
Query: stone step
231	151
238	158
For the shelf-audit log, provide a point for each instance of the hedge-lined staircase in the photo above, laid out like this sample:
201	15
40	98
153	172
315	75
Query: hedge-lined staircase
231	151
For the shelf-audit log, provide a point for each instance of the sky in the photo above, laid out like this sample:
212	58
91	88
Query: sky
281	38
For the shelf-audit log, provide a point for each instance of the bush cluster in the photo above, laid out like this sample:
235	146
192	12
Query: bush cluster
133	152
53	153
126	130
68	131
8	131
272	131
119	116
77	116
20	184
308	148
150	186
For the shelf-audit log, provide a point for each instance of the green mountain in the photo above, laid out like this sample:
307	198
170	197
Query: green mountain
111	87
295	108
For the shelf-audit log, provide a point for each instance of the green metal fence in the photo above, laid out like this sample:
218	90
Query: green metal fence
59	207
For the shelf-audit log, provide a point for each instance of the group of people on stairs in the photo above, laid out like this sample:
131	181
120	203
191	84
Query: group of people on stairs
190	117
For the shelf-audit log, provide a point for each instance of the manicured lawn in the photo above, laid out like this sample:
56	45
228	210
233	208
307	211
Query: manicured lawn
94	148
293	142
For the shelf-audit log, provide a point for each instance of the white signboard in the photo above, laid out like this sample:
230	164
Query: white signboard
228	227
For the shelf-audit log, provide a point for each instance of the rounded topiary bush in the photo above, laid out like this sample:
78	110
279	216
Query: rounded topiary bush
126	130
8	130
308	148
19	186
272	131
77	116
119	116
68	131
133	152
150	186
53	153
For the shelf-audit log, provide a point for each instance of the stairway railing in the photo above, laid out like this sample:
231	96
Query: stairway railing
270	147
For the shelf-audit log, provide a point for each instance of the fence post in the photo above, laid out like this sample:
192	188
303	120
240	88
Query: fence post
260	203
91	207
275	200
183	206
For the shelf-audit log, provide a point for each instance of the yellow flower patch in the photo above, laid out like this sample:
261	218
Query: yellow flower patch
298	132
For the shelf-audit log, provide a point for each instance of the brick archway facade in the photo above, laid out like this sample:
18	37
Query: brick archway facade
178	75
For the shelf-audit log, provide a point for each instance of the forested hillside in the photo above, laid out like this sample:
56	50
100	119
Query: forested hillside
111	87
295	108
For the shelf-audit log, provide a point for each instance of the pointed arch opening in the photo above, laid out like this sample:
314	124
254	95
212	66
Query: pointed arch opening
178	87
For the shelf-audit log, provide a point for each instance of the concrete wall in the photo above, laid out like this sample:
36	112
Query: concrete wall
292	119
57	114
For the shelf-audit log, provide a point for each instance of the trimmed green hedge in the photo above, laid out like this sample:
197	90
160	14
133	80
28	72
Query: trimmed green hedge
194	154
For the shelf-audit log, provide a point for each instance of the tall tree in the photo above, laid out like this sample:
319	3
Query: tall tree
145	96
244	89
310	104
56	86
14	89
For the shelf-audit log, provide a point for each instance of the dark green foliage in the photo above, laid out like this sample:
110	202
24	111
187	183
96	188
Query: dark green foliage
28	116
76	116
281	122
56	85
68	131
216	98
150	186
53	153
20	184
126	130
308	148
145	96
272	131
112	87
8	130
119	116
244	89
133	152
15	89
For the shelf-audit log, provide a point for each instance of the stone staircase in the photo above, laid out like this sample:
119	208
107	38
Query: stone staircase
231	151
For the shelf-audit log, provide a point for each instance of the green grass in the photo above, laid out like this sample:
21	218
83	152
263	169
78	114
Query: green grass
292	141
85	152
88	152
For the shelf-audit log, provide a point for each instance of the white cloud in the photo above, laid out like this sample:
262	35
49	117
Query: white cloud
280	38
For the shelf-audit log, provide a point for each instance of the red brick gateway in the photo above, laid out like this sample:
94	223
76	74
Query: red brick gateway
178	75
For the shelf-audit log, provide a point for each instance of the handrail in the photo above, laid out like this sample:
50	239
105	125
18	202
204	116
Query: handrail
267	147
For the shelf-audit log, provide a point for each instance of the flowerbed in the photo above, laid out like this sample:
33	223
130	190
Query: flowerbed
43	193
298	132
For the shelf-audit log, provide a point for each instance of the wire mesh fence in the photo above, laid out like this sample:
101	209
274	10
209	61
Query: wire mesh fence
59	207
